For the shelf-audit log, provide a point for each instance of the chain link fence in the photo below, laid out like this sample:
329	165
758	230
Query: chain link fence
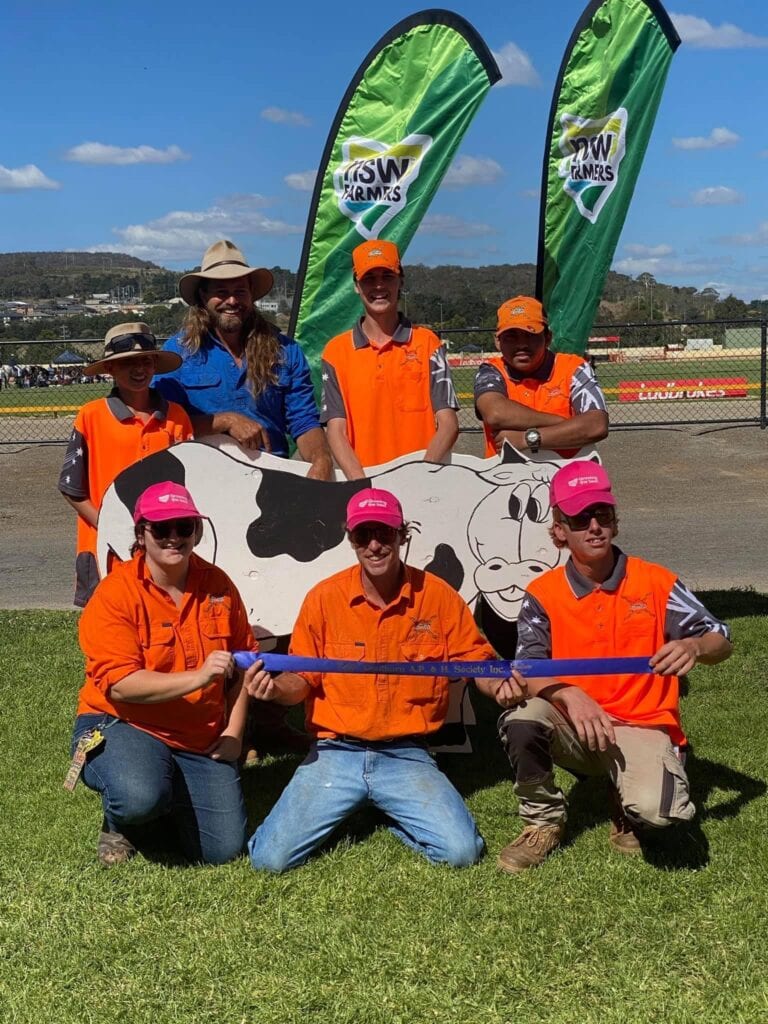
652	374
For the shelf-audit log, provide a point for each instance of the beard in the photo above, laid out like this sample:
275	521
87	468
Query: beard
228	323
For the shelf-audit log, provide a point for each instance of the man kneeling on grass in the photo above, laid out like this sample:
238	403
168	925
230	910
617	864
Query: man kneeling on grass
603	604
371	731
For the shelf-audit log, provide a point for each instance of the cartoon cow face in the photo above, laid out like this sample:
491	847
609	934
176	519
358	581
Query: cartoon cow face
509	532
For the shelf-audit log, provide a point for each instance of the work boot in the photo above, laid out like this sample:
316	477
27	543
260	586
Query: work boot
531	848
114	849
622	836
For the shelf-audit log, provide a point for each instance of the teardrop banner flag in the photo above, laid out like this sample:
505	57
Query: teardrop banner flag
604	106
393	138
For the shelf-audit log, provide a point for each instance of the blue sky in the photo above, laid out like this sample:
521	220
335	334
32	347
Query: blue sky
155	128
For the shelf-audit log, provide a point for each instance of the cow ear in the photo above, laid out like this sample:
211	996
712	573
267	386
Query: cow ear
511	455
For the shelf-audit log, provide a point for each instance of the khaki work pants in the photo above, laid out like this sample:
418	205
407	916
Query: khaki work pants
643	766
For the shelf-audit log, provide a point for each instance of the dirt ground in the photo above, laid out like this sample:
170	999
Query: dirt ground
693	499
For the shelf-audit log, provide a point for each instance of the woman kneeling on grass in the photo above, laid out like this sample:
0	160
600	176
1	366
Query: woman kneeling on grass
162	709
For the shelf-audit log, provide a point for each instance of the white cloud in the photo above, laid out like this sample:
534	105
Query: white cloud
655	251
660	266
758	237
531	193
18	179
453	227
718	138
472	170
302	181
717	195
123	156
186	234
702	35
515	66
277	115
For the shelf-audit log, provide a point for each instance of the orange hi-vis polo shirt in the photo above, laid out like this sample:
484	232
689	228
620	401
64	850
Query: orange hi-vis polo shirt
131	624
624	622
552	395
106	439
388	394
427	621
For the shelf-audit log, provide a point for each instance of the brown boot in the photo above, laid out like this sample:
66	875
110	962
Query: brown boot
622	837
114	848
531	848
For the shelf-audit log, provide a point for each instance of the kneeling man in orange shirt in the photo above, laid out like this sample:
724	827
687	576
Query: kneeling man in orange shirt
371	731
603	604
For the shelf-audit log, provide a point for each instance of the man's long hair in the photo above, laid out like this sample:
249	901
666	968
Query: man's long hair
263	351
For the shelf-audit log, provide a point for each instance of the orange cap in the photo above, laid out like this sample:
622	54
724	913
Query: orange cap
521	314
375	253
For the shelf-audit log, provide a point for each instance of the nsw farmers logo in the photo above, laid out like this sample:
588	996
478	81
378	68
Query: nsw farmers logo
594	149
373	179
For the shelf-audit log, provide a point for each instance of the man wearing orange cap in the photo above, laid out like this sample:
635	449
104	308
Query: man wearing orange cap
533	397
387	388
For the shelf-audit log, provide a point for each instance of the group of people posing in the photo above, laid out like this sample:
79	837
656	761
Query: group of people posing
162	713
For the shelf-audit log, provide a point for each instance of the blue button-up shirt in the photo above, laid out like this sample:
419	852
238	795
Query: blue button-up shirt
210	381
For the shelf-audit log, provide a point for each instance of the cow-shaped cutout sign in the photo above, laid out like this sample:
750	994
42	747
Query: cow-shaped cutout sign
480	524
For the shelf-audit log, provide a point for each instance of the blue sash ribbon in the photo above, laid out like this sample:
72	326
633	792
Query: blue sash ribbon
533	669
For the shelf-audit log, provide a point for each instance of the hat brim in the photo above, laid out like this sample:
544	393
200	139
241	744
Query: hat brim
165	362
529	327
376	518
261	279
572	506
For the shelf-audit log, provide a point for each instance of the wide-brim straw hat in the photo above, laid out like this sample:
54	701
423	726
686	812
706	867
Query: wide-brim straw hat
223	261
127	341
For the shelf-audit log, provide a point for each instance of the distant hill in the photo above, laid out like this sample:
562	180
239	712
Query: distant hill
450	296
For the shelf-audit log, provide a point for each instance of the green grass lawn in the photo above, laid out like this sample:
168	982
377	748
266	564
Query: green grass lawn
31	400
368	932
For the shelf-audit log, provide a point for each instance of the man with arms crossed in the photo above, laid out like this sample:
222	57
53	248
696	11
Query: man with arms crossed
387	388
603	604
533	397
371	731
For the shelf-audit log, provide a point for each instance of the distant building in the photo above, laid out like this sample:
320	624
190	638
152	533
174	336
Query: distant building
267	305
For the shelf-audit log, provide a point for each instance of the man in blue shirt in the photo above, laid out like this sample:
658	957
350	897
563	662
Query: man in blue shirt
238	375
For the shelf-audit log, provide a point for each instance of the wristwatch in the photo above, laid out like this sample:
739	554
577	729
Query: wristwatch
532	439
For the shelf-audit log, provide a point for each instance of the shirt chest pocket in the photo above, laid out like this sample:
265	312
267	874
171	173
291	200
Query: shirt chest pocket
159	647
199	380
423	689
412	387
216	627
346	689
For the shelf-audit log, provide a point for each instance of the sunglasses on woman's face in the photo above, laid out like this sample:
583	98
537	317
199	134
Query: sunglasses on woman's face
132	343
363	535
181	527
604	514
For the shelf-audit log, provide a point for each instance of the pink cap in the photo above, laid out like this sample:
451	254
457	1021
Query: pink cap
578	485
374	506
165	501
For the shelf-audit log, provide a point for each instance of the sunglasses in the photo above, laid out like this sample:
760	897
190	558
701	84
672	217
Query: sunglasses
132	343
362	536
604	514
182	527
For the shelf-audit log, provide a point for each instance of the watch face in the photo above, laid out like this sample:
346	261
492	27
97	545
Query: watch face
532	438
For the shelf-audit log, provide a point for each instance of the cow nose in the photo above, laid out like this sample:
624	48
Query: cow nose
495	566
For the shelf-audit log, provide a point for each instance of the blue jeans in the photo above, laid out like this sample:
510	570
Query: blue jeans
337	777
141	780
